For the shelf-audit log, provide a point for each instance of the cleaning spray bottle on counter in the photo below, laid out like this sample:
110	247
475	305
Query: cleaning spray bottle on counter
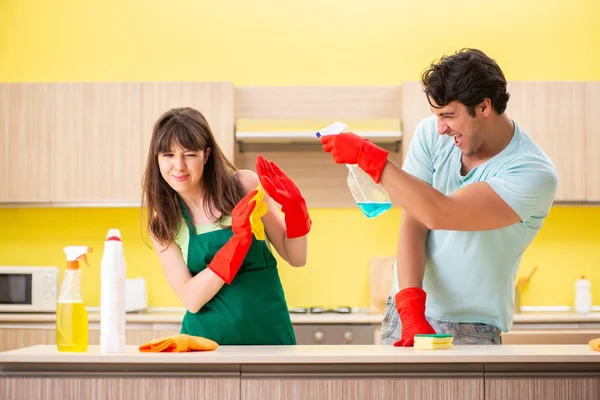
370	197
112	295
71	315
583	295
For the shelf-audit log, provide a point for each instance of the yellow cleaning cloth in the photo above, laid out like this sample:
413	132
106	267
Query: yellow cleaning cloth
258	228
178	344
433	342
595	344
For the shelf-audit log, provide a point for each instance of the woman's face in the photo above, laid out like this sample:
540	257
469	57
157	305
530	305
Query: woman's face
182	169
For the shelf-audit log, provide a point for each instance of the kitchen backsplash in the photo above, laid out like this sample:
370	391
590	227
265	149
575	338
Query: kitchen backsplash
337	272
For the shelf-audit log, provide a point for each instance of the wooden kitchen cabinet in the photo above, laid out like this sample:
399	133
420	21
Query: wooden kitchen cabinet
361	387
15	338
558	116
213	99
96	146
547	388
592	140
554	115
24	143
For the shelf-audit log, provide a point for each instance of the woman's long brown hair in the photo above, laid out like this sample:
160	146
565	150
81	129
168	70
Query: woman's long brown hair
187	128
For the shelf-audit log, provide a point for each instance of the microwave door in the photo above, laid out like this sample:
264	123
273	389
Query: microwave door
15	289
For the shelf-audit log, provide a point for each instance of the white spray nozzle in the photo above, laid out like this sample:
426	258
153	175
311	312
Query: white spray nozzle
333	129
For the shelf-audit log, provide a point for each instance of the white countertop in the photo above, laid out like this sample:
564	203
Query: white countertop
316	355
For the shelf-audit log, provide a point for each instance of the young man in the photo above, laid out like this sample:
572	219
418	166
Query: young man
474	189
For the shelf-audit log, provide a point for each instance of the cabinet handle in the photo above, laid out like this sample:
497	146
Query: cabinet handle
348	336
319	336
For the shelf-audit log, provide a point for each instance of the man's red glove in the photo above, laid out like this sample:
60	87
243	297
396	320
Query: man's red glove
410	303
285	192
349	148
227	261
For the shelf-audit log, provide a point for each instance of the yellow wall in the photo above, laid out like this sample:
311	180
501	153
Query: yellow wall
338	264
274	42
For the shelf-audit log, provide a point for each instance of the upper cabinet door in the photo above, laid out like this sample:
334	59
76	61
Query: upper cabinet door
96	145
214	100
592	140
553	115
24	143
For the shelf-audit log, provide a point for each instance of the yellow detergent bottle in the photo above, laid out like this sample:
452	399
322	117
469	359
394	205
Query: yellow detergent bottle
71	315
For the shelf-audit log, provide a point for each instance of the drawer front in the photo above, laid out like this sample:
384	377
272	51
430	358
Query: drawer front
309	334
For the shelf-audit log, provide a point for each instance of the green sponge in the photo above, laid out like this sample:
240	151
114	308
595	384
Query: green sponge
438	341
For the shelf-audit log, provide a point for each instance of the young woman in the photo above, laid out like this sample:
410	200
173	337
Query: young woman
199	206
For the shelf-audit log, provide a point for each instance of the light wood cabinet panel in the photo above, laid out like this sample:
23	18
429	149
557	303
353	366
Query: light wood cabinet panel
213	99
361	388
121	388
592	140
96	154
15	338
24	143
551	388
553	115
414	109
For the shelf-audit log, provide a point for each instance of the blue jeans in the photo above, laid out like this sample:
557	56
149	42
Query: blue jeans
464	333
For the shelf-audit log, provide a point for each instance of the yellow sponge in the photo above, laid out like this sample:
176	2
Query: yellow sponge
260	209
433	342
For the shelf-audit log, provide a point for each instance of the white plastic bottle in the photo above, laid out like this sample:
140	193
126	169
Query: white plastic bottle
112	295
370	197
583	295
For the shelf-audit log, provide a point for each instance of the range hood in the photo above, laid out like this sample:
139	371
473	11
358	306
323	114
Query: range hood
305	138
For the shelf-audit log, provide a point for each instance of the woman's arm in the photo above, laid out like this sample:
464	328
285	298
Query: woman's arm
293	251
193	292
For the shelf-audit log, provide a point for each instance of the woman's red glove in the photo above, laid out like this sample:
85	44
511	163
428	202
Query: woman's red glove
349	148
285	192
228	260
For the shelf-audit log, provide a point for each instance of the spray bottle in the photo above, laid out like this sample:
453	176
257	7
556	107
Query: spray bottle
371	197
112	295
71	315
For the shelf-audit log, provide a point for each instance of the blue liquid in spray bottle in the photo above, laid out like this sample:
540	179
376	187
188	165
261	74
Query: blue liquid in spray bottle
371	198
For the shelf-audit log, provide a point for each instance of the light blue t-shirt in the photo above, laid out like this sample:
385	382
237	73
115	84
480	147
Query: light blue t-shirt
470	275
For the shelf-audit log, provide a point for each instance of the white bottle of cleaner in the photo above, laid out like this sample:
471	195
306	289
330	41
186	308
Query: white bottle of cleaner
112	295
370	197
583	295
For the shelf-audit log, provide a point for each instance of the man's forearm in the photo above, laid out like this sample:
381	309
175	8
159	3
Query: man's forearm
418	198
411	253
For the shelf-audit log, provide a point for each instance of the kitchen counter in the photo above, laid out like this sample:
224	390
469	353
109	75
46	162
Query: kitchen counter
328	318
254	355
175	317
299	372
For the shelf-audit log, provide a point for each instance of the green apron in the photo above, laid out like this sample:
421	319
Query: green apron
250	311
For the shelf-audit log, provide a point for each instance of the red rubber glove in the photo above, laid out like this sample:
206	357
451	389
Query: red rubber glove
349	148
228	260
410	303
285	192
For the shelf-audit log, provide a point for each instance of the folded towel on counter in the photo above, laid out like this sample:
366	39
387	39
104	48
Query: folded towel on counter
595	344
178	344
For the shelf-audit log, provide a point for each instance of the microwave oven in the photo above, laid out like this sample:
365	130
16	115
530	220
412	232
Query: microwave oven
28	289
